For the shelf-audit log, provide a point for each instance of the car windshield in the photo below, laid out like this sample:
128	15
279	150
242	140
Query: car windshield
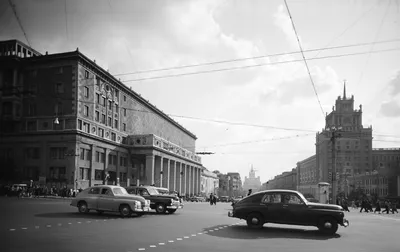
162	191
303	198
119	191
153	191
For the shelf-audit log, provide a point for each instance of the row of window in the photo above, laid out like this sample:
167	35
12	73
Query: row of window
85	154
103	120
85	127
84	174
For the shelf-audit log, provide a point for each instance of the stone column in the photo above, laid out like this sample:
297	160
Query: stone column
195	179
199	179
174	177
189	168
91	167
184	178
168	174
150	160
178	177
161	172
117	169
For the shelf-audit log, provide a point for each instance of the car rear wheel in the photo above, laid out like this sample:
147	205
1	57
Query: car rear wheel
160	208
125	211
171	211
328	225
82	207
255	220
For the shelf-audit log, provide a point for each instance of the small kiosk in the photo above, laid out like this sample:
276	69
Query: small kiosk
323	192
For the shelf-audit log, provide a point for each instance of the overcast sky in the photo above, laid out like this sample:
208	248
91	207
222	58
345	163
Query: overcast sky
130	36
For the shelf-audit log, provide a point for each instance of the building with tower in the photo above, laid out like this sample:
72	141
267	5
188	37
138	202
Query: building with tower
252	182
345	143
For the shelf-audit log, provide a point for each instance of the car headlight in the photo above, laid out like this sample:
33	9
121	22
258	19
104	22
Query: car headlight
138	204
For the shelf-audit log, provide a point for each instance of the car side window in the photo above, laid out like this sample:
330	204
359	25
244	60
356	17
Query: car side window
271	198
94	190
292	199
106	191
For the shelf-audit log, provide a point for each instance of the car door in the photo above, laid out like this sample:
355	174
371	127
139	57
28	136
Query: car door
272	207
294	209
92	197
145	194
106	200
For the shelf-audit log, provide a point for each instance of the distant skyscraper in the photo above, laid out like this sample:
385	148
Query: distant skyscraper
252	182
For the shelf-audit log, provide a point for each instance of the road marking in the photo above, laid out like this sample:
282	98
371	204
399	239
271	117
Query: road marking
161	243
210	230
88	221
153	246
24	228
79	222
193	235
170	241
216	228
48	226
141	249
186	237
69	223
12	229
179	239
37	227
199	233
59	224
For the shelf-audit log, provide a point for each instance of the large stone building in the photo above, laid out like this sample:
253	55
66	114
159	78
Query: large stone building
286	180
65	121
307	176
209	182
252	182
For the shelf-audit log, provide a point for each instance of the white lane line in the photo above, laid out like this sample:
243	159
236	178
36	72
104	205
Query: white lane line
210	230
161	243
79	222
104	220
199	233
153	246
59	224
24	228
179	239
205	232
48	226
69	223
193	235
12	229
216	229
141	249
88	221
186	237
170	241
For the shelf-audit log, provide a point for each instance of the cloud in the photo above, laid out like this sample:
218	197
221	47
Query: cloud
282	20
395	84
390	109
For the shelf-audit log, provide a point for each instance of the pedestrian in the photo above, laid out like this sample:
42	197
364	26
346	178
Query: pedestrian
211	199
345	205
394	207
378	207
364	205
387	207
249	193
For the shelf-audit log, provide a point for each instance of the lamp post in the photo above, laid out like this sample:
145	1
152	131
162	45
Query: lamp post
335	134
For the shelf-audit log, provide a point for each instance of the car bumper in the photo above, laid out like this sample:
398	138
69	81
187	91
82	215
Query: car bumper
345	223
174	207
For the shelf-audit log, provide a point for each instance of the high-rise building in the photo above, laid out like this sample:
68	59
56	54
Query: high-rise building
252	182
352	149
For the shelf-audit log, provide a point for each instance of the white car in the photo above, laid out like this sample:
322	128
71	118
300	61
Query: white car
107	198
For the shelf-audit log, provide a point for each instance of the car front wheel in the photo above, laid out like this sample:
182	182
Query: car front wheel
255	220
125	211
328	225
82	207
160	208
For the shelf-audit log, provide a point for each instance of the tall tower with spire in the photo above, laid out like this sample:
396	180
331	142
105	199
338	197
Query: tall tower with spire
252	182
353	148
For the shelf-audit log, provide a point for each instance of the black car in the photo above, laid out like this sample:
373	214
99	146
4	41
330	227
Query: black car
162	203
288	207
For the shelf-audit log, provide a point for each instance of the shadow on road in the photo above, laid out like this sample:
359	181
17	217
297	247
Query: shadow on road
243	232
76	215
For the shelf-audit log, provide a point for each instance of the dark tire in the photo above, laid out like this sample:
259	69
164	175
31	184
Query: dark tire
255	220
171	211
125	211
82	207
99	211
160	208
328	225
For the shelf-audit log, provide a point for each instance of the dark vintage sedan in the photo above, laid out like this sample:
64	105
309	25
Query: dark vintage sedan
288	207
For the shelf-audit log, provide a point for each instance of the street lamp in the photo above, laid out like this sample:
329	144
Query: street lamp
335	134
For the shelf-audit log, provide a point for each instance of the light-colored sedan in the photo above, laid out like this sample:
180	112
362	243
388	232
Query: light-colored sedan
107	198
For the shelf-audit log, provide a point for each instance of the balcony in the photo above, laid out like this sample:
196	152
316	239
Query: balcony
160	143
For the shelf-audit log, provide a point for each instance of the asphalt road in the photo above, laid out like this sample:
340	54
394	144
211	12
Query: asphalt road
52	225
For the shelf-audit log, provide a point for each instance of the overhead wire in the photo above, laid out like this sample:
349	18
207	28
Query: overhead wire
305	61
19	21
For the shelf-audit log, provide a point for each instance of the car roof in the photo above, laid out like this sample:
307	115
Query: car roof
107	186
277	190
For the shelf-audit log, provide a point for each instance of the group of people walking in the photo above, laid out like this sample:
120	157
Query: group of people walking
366	205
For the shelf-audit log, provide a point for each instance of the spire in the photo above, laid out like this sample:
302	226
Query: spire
344	90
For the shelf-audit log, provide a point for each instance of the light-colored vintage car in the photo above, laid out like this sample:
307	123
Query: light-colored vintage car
107	198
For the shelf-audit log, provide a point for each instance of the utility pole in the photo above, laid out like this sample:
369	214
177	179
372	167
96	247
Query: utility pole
335	135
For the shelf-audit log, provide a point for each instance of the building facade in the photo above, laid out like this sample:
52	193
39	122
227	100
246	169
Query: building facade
307	176
352	150
65	121
252	182
286	180
209	182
